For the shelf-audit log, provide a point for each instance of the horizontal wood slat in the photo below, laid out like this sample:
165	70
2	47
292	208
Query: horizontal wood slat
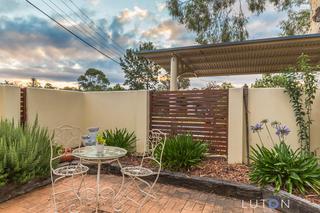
202	113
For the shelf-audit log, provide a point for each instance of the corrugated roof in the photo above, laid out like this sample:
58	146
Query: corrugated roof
234	58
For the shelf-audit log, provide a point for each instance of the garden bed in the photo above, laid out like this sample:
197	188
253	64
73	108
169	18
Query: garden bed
241	191
218	168
12	190
210	167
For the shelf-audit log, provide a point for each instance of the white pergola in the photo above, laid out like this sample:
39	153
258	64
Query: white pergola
259	56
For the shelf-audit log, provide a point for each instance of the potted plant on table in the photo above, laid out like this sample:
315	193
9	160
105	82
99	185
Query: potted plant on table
100	143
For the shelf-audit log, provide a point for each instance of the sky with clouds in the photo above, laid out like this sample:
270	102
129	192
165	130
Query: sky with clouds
31	45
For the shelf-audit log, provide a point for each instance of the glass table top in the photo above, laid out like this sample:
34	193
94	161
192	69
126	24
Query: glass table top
90	152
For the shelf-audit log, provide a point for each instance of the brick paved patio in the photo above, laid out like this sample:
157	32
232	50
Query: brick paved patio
171	199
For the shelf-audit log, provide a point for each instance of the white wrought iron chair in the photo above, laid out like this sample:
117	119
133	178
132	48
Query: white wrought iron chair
138	173
68	136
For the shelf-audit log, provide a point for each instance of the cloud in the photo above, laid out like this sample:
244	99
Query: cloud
32	47
265	25
169	33
161	6
127	15
9	6
93	2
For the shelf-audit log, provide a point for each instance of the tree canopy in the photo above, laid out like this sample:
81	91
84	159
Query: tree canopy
224	20
214	85
140	73
116	87
270	81
34	83
93	80
49	86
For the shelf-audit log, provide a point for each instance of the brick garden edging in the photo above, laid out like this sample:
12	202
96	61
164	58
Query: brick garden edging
240	191
225	188
297	204
10	191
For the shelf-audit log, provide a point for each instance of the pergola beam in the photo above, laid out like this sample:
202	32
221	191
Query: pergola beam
237	58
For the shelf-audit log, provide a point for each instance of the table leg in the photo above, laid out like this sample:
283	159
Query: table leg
98	185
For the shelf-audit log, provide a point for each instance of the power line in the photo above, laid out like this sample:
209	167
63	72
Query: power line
94	39
85	19
84	14
78	37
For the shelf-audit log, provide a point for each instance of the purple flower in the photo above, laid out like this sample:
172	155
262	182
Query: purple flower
282	130
257	127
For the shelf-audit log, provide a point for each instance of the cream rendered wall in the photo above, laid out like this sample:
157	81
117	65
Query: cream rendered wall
10	103
119	109
265	103
236	134
107	110
272	104
55	107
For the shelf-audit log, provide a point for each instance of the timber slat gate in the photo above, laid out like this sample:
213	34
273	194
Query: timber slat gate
202	113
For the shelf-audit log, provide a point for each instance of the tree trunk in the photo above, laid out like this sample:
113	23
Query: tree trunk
315	26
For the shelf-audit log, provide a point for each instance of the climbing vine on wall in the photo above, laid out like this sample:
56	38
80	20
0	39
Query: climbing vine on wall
301	86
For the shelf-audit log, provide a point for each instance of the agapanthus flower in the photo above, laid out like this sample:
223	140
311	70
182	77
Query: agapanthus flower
282	130
257	127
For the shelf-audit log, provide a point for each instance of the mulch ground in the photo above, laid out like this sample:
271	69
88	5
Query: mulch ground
218	168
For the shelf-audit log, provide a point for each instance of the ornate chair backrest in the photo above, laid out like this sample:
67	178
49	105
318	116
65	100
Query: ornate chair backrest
156	139
67	136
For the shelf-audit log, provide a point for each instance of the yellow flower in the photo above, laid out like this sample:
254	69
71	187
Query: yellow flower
100	139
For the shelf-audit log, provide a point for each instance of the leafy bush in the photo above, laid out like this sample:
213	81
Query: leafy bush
285	169
120	138
181	152
280	166
24	152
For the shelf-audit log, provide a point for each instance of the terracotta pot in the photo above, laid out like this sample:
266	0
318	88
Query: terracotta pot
67	155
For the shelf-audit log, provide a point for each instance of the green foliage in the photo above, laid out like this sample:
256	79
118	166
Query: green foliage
214	85
116	87
270	81
121	138
302	96
140	73
70	88
285	169
25	152
34	83
181	152
224	20
93	80
298	23
49	86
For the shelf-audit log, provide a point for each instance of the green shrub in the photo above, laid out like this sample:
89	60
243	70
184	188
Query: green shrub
181	152
285	169
120	138
25	152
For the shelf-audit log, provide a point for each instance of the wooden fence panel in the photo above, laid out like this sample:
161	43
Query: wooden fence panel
203	113
23	106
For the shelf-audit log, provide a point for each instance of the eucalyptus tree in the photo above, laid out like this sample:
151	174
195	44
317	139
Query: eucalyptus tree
93	80
225	20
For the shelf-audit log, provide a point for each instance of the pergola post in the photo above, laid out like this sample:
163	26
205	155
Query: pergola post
173	73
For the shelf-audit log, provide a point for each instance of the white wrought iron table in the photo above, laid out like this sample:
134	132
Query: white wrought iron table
109	154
